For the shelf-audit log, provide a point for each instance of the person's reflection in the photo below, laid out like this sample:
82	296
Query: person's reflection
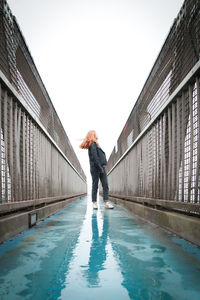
97	251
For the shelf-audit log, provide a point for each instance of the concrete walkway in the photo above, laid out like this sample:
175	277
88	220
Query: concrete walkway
82	254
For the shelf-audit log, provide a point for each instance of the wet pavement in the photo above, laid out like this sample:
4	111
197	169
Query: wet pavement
104	254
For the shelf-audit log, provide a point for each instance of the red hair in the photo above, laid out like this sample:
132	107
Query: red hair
89	139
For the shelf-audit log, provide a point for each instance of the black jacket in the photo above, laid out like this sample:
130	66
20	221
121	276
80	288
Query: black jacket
97	156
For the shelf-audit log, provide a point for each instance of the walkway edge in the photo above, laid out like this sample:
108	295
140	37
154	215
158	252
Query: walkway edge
187	227
12	225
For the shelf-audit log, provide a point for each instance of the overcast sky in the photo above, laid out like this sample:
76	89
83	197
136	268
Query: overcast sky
94	57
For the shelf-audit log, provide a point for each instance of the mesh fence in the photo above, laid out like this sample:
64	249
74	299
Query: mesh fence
31	165
164	162
18	66
178	55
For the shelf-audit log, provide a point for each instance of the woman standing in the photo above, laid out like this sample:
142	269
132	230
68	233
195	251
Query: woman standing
98	162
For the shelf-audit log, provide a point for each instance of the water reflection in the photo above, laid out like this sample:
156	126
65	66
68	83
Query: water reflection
86	254
93	267
151	264
34	264
98	252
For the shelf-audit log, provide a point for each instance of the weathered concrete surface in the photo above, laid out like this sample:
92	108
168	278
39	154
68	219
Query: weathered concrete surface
187	227
12	225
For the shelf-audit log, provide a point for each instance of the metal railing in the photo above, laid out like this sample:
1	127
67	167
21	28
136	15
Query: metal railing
17	64
160	164
37	160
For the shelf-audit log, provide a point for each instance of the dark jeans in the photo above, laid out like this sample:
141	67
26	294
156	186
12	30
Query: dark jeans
96	175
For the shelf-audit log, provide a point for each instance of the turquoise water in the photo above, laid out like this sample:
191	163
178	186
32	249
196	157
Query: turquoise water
106	254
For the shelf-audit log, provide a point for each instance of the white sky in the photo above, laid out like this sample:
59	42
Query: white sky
94	57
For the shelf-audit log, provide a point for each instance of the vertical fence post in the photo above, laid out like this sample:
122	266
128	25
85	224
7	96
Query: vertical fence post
11	146
169	183
0	145
182	145
164	158
23	162
191	140
173	150
197	188
5	136
178	142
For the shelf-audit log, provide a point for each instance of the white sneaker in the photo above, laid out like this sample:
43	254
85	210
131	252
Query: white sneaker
95	205
108	204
